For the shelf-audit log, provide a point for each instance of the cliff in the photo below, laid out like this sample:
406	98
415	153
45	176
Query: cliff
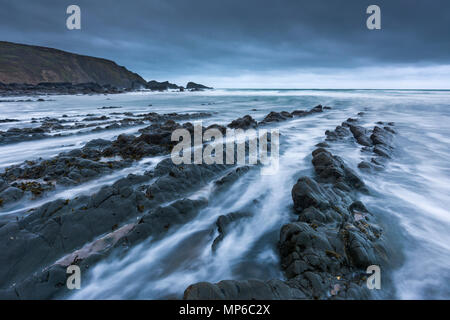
32	65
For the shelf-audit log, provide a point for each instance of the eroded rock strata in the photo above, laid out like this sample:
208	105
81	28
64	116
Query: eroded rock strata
64	126
38	245
325	253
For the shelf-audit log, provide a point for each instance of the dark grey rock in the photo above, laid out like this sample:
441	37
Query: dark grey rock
242	290
245	122
308	193
360	134
381	136
11	194
224	223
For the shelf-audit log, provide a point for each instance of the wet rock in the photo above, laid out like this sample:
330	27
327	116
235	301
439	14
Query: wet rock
382	151
315	216
101	118
325	253
381	136
322	145
3	185
316	256
382	139
378	161
242	290
299	113
50	282
245	122
11	194
175	180
318	108
63	225
13	135
248	122
162	219
34	187
49	125
337	134
224	223
109	107
308	193
389	129
350	121
332	169
274	117
286	114
358	206
222	129
313	254
230	177
98	144
8	120
361	251
364	165
360	134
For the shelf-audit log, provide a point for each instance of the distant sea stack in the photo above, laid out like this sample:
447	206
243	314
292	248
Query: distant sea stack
196	86
166	85
162	86
32	65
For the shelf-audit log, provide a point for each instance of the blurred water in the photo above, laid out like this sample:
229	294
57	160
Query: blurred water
413	192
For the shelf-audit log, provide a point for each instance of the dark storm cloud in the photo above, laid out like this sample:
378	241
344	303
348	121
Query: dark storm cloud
168	38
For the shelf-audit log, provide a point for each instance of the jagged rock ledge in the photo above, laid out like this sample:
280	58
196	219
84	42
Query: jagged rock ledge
324	254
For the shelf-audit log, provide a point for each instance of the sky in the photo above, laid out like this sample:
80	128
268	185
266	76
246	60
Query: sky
250	43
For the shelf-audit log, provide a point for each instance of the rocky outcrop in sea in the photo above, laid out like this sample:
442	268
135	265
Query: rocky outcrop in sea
325	252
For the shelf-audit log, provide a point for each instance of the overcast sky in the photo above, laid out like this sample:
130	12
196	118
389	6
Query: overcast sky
250	43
